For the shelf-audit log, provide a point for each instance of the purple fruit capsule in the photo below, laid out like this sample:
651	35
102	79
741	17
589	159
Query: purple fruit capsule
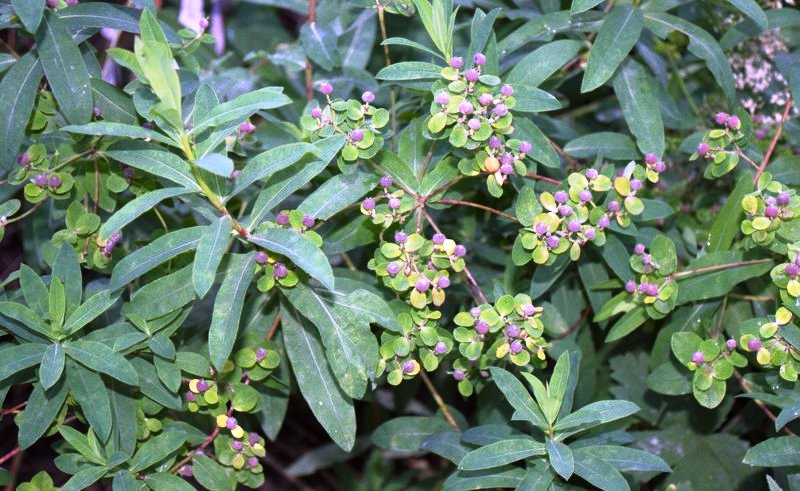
697	357
525	147
591	174
190	397
731	343
465	107
553	242
357	135
481	327
528	309
702	148
500	110
393	268
651	158
368	204
507	169
458	375
574	226
515	347
474	124
512	331
565	210
721	118
316	112
495	142
97	112
639	249
261	353
507	90
280	270
771	211
203	24
561	197
507	158
326	88
253	438
783	199
237	445
636	184
456	62
585	195
24	159
792	270
541	228
409	366
613	206
603	222
422	285
479	59
308	221
475	312
472	75
485	99
40	180
439	238
231	423
630	286
460	251
660	167
733	122
202	386
754	344
261	257
386	181
443	282
252	462
442	98
367	97
440	348
282	218
590	233
54	182
394	203
400	237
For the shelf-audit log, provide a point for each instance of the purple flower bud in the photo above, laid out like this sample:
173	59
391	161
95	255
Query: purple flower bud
357	135
409	366
203	23
386	181
585	195
697	357
231	423
235	174
525	147
495	142
702	149
553	242
261	257
190	397
481	327
507	158
590	233
651	158
439	238
472	75
393	268
479	59
202	386
613	206
770	201
237	445
460	251
528	310
754	344
561	197
465	107
574	226
474	124
432	267
721	118
792	270
456	62
24	159
485	99
252	462
636	184
630	286
507	169
282	218
148	125
647	259
591	173
400	237
475	312
394	203
247	127
512	331
440	348
442	98
253	438
261	353
326	88
638	249
783	199
308	221
540	228
731	343
500	110
733	122
652	290
70	3
515	347
565	210
660	167
368	204
54	182
40	180
443	282
507	90
603	222
458	375
367	97
280	271
771	211
97	112
422	285
52	3
185	470
316	112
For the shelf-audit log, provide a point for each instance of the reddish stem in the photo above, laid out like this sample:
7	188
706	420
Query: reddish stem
539	177
479	206
774	141
690	272
9	455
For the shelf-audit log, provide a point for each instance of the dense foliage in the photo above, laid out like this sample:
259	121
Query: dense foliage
533	244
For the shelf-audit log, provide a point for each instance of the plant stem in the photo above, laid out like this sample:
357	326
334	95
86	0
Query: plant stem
539	177
31	210
684	89
575	324
479	206
388	59
690	272
274	327
10	454
312	19
774	141
439	401
746	387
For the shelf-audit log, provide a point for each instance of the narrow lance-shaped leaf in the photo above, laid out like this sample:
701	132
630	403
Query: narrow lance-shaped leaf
501	453
518	396
122	130
100	357
301	251
267	163
136	207
88	311
228	308
242	107
618	34
42	408
211	247
18	357
67	268
154	160
19	88
52	365
88	389
29	12
640	107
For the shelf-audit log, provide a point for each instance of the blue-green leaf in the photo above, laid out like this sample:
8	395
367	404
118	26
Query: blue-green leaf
228	307
301	251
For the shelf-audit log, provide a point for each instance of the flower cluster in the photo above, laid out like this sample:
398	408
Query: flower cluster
713	361
395	208
768	208
776	342
473	111
722	146
655	289
419	270
358	121
40	178
510	330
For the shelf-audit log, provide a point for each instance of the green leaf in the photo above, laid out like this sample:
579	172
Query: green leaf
156	449
579	6
40	412
337	193
701	44
547	59
627	459
618	34
156	62
519	397
29	12
136	207
407	433
34	290
52	366
228	307
155	253
116	105
162	480
210	474
211	248
57	303
786	416
267	163
637	97
90	393
332	408
726	226
88	311
152	387
561	459
670	380
627	323
301	251
775	452
123	130
534	100
65	69
18	357
84	478
81	443
319	44
501	453
595	414
542	151
398	41
67	268
26	316
100	357
599	473
409	70
751	9
102	14
610	145
242	107
717	282
19	87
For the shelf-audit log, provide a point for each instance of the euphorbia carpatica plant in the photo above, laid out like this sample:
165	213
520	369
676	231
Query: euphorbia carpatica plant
202	239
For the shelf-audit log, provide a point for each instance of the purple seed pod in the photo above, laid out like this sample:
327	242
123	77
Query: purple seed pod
54	182
252	462
647	259
465	107
758	119
585	195
652	290
553	242
472	75
603	222
237	445
261	353
456	62
440	348
443	282
485	99
394	203
460	251
481	327
515	347
792	270
512	331
203	23
409	366
561	197
40	180
636	184
771	211
247	127
282	218
439	238
613	206
280	271
185	470
442	98
52	3
650	158
253	438
393	268
326	88
541	228
148	125
754	344
565	210
528	310
368	204
507	90
660	167
202	386
458	375
386	182
590	233
367	97
783	199
721	118
574	226
733	122
479	59
115	237
316	112
500	110
400	237
308	221
731	343
475	312
507	158
432	267
474	124
357	135
231	423
697	357
24	159
495	142
525	147
190	397
770	201
630	286
422	285
639	249
591	174
261	257
70	3
235	174
702	149
97	112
